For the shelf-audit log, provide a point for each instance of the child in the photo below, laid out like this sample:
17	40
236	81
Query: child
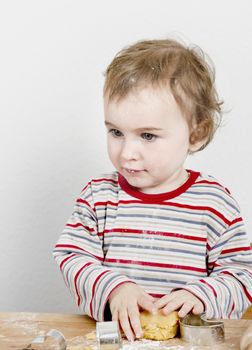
153	235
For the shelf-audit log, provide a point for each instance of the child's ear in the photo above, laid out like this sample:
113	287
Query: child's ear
198	138
196	146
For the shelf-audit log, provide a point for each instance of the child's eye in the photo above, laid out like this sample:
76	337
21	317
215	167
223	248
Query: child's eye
148	137
115	132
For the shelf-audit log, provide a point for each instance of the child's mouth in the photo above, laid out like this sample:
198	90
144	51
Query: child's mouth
132	171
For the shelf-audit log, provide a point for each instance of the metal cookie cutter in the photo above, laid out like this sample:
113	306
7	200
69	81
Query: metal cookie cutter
108	336
41	340
196	329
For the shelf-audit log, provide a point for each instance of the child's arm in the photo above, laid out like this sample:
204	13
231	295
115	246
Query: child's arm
79	254
227	292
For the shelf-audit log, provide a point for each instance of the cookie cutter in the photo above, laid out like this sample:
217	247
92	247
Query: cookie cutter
54	334
198	330
108	336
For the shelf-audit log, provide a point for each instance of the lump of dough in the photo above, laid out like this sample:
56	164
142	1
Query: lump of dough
158	326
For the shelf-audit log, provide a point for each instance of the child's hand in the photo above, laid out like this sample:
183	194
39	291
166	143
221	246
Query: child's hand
124	303
180	299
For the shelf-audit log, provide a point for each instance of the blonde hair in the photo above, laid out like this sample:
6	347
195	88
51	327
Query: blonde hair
185	70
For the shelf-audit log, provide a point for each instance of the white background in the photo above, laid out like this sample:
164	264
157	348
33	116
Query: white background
52	138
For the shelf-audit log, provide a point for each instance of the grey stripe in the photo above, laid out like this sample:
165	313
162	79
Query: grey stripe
91	216
94	268
228	294
156	217
83	238
213	195
153	248
168	271
166	239
105	190
199	285
159	280
228	239
166	219
204	213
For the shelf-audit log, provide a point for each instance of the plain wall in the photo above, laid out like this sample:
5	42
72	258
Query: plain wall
52	138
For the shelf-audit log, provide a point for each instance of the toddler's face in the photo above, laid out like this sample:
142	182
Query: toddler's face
148	139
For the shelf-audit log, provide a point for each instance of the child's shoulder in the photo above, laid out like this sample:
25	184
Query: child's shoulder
102	181
210	181
211	186
105	178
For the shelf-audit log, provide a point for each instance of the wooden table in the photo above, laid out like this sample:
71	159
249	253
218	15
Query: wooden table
18	329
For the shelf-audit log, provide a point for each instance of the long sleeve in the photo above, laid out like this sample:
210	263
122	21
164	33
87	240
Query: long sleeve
227	291
194	240
79	254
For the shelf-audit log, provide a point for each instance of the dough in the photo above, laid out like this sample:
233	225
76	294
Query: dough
158	326
91	335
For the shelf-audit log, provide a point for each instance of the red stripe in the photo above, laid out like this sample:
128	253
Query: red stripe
122	202
78	224
245	290
227	273
209	285
85	186
231	310
236	220
93	289
65	260
75	281
154	264
205	208
71	246
210	183
232	250
158	233
247	294
97	204
208	247
83	201
212	264
156	295
105	179
213	183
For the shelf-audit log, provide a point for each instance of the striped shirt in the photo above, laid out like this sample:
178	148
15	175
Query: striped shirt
192	238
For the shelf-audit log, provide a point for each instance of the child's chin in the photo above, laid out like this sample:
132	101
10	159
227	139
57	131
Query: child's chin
135	182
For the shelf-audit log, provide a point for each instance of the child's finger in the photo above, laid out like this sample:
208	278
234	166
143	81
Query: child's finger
125	325
147	303
198	309
185	309
160	303
115	316
135	320
173	305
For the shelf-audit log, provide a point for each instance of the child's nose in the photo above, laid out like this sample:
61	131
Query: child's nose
129	150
